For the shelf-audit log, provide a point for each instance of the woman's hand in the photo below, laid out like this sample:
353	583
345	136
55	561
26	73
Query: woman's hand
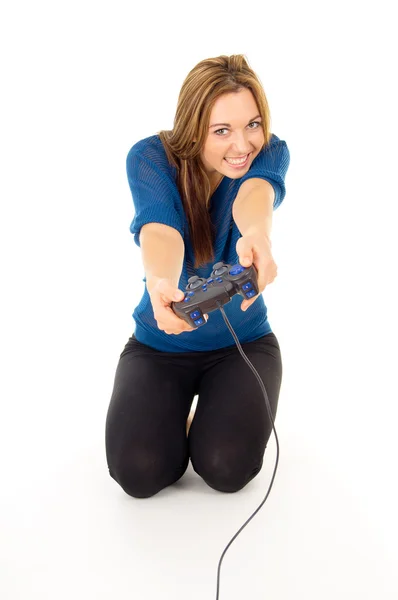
255	248
162	294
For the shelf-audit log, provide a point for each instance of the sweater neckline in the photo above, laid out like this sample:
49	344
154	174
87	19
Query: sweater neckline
218	185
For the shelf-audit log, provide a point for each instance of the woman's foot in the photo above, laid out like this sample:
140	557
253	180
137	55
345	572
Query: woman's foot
190	419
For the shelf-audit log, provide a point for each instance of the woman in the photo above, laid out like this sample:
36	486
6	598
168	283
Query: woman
203	193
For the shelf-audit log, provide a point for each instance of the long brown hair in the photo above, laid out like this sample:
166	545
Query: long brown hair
206	82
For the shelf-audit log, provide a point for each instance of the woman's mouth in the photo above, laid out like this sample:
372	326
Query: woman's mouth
237	163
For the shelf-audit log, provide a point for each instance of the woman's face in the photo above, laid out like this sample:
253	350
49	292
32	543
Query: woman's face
235	131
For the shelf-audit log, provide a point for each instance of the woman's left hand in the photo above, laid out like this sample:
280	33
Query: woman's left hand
255	248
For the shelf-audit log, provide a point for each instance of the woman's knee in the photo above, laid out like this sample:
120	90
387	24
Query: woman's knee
142	475
226	475
138	487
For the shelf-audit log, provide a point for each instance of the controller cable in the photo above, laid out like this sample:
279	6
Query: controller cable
273	427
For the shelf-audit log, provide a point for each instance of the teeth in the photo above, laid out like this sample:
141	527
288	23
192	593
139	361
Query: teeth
235	161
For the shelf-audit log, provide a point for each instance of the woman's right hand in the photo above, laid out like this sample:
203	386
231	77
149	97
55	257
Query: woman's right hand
162	294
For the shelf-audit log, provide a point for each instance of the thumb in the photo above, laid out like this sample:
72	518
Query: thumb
246	258
178	295
244	251
169	290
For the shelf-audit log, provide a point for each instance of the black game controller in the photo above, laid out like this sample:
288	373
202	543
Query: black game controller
204	295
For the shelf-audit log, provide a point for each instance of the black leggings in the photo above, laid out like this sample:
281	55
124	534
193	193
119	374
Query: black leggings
147	448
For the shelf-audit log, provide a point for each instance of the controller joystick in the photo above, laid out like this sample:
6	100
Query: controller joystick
205	295
195	282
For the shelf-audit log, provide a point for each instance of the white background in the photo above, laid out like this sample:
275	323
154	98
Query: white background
81	83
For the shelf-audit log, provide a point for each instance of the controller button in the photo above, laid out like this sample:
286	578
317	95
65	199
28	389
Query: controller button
237	269
187	299
191	293
199	321
247	286
210	280
196	284
220	279
195	314
250	294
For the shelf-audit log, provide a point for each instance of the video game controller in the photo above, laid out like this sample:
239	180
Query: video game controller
205	295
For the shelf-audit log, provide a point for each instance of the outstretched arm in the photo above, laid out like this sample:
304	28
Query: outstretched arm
252	212
253	207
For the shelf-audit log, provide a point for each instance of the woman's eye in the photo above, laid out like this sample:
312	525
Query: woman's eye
252	123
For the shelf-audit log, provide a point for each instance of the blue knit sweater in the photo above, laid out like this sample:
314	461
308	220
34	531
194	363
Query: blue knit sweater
152	182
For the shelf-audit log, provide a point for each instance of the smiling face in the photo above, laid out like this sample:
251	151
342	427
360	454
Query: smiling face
235	132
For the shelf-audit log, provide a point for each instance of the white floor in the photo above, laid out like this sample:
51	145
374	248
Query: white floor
327	531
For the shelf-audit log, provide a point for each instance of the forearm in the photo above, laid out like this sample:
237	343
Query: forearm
253	211
162	250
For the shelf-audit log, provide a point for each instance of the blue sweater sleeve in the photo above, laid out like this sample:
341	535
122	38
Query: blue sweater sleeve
271	164
154	195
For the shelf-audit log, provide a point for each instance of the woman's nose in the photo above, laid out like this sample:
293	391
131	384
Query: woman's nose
241	146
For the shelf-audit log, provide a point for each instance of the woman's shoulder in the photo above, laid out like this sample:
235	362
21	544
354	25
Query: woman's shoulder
151	150
149	147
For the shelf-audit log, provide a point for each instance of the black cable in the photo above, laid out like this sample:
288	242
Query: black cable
273	427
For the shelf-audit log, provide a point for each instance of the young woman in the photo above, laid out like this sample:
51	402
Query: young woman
203	193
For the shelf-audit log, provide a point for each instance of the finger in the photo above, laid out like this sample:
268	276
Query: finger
246	260
246	303
169	291
171	318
